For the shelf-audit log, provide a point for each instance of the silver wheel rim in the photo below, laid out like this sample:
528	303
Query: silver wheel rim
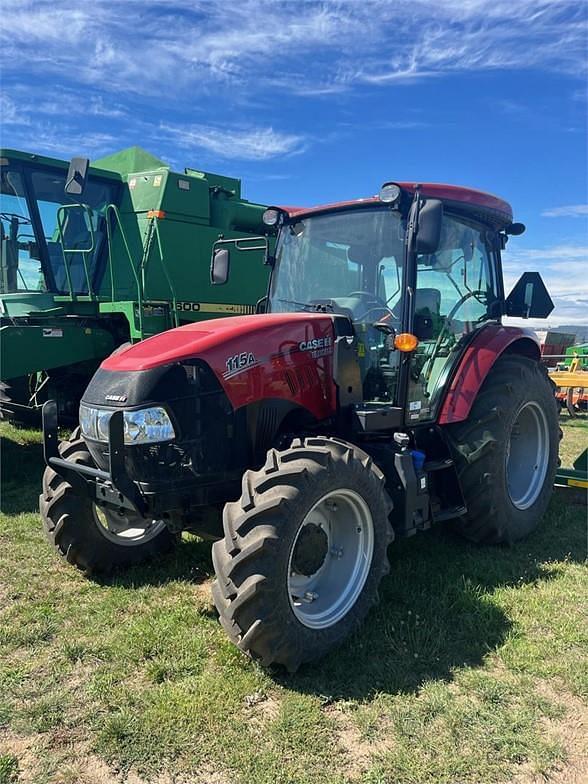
527	456
126	530
342	522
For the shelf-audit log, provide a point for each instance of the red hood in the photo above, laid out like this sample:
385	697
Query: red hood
193	340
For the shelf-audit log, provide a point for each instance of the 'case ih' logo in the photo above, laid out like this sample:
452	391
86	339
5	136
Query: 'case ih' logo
315	344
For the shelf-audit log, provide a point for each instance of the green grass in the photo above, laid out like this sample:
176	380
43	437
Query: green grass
472	668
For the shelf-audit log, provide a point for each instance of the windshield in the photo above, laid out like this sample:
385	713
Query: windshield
21	266
347	262
78	226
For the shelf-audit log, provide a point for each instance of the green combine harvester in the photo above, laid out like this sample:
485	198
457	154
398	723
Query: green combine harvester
93	257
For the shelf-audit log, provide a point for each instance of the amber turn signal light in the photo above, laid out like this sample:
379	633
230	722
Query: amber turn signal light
405	341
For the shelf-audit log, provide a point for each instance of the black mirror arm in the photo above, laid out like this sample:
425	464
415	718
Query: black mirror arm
384	327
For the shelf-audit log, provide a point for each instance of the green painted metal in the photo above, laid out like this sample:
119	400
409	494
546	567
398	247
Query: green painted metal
576	476
580	351
23	344
142	268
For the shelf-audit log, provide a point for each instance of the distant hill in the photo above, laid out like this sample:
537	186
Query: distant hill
579	330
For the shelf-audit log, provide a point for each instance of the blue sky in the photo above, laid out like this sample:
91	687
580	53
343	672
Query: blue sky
314	101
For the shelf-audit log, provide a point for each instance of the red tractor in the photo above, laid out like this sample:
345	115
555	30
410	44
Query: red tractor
376	393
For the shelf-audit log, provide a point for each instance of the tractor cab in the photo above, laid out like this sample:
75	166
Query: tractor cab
417	272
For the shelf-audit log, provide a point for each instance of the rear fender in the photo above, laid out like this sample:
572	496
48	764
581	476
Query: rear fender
477	361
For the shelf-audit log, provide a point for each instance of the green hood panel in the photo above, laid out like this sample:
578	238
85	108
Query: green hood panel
133	159
24	303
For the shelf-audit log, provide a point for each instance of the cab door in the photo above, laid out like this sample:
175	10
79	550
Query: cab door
456	294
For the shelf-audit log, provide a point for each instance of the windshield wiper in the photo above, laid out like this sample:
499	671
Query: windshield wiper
317	307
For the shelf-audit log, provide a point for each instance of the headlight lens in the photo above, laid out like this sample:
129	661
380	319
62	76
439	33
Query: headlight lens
390	193
271	217
146	426
88	421
102	420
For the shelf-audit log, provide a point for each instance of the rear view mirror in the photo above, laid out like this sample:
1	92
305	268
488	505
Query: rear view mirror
219	266
429	229
529	298
76	176
220	260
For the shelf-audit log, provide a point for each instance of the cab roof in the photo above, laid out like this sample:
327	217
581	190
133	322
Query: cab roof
478	204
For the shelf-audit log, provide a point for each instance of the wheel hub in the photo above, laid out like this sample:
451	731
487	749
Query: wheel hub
330	558
126	529
311	550
527	455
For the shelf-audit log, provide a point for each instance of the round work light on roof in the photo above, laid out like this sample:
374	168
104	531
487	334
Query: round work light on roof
271	217
390	193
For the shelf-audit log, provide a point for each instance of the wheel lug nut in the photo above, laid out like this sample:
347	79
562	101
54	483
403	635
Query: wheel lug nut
310	596
337	552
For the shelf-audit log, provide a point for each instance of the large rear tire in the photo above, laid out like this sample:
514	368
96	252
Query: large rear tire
90	537
506	452
303	552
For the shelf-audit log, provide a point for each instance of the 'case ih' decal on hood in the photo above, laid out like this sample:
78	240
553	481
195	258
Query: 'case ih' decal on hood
319	347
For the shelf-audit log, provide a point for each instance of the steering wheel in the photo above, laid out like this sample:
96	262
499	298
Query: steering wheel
379	302
10	215
442	332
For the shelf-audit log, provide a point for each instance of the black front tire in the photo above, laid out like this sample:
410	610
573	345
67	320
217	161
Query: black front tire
480	449
253	560
72	527
14	403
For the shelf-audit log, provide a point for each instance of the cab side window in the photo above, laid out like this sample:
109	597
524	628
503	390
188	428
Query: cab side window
456	293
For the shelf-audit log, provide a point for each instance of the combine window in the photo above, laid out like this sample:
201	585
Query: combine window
21	265
48	189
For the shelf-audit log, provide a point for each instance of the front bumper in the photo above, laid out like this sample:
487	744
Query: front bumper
111	485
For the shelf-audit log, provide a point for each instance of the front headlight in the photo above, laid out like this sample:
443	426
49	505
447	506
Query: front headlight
146	426
88	421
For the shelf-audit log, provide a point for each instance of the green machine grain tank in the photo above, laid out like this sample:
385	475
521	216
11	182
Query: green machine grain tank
96	256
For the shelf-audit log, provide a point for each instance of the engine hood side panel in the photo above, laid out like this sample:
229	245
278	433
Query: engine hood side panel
285	356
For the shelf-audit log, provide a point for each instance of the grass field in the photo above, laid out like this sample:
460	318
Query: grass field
473	668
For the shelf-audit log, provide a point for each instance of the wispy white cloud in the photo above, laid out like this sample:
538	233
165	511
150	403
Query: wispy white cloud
254	144
314	47
569	211
8	111
563	269
182	55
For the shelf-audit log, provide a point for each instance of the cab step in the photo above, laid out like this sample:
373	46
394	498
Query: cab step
449	514
438	465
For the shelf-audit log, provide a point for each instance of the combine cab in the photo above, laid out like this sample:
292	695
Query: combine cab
94	257
375	394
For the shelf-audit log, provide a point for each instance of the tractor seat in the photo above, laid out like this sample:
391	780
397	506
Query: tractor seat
428	300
